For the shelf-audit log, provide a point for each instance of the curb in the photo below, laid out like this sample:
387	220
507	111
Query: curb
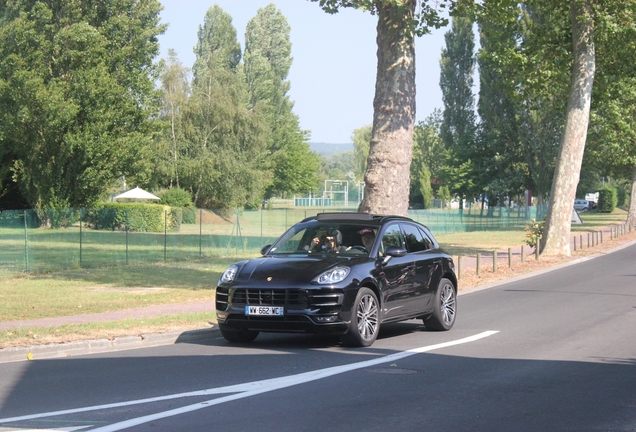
96	346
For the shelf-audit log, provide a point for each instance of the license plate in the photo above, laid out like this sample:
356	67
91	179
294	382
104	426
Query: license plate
264	310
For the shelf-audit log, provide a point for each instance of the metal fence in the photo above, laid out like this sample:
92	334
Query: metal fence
26	245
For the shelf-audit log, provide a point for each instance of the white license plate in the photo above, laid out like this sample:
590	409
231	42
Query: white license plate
264	310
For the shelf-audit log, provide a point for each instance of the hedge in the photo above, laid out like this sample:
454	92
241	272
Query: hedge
136	216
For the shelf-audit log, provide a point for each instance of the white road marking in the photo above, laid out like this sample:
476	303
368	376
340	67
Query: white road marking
243	390
62	429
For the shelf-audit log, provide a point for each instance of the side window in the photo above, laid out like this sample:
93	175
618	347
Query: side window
430	239
392	237
416	241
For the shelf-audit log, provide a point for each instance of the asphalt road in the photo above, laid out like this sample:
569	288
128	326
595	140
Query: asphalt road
555	352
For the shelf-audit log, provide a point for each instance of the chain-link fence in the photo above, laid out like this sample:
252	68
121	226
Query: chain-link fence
31	241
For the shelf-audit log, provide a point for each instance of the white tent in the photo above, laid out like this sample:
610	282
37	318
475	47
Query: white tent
137	193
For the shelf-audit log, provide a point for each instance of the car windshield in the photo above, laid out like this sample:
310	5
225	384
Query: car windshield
315	237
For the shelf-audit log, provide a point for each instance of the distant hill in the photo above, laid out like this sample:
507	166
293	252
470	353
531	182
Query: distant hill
327	149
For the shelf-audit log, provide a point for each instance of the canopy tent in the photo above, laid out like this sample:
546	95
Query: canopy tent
137	193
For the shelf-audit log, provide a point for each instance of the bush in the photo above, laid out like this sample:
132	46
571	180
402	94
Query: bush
180	199
176	197
607	200
534	232
136	216
621	196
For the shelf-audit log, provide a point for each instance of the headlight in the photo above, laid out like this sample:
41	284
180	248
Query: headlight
332	276
229	274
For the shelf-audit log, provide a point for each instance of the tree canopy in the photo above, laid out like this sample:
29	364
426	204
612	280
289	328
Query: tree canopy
76	95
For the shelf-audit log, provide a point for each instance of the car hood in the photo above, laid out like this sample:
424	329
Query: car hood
286	271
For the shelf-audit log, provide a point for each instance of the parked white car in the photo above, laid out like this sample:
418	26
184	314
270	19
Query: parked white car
581	205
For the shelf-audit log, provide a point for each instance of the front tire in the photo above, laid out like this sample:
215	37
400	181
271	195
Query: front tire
365	320
237	336
443	316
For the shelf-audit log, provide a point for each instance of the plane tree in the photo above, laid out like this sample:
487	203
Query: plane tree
388	165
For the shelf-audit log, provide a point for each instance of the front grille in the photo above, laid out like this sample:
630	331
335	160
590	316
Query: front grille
270	297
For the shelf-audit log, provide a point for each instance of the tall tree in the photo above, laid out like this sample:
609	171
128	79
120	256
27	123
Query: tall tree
429	158
499	156
399	21
176	90
267	61
76	94
611	144
457	66
525	64
226	150
556	238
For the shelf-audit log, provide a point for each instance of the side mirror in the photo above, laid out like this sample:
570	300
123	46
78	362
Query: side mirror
265	249
394	251
391	251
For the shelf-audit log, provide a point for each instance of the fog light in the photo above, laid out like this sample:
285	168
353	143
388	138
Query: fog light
326	318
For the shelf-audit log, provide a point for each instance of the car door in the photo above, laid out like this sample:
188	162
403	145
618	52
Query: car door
397	276
426	260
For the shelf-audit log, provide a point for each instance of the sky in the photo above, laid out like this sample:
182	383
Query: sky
334	65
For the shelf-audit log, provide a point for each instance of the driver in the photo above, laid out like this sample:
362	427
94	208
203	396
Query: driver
328	242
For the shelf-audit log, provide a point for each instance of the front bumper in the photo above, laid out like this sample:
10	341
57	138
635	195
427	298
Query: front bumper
313	310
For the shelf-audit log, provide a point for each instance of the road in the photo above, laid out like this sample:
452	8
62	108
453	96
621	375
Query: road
555	352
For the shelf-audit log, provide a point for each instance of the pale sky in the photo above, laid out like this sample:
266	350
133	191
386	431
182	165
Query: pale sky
334	60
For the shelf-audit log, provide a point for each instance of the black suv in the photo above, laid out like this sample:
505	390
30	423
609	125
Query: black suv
340	273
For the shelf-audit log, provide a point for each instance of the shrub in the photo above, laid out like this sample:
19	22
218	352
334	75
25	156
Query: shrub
181	200
621	196
176	197
534	232
607	200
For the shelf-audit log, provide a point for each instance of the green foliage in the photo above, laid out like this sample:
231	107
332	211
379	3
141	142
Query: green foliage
426	16
337	166
176	197
457	129
444	194
189	215
607	200
428	159
76	95
225	160
267	61
361	139
170	153
181	203
134	216
525	68
425	186
621	196
534	232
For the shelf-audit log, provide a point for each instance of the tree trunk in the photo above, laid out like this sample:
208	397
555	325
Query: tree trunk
556	238
387	178
631	216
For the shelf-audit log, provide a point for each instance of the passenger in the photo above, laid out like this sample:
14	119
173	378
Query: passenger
368	238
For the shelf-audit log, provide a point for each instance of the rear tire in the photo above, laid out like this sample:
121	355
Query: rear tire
237	336
443	316
365	320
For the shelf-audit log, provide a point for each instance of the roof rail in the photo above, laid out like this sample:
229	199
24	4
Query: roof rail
345	215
